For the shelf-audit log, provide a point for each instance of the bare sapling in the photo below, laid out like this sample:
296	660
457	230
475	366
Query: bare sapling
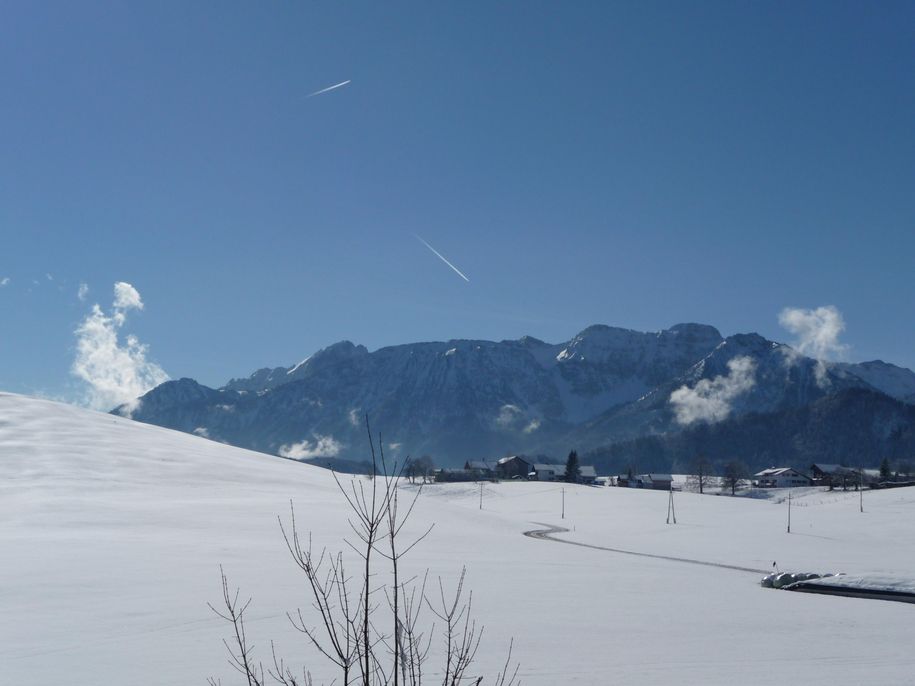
373	632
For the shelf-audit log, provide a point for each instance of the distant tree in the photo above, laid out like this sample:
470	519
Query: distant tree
423	467
903	467
886	472
573	468
733	475
411	470
701	477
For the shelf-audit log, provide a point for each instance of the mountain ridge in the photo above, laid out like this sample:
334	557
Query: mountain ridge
468	399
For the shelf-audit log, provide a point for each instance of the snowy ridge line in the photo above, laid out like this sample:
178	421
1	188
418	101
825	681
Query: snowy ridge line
547	535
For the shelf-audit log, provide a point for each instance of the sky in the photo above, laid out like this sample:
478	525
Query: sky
632	164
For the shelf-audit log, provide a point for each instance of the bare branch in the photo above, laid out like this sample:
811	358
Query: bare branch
347	633
240	651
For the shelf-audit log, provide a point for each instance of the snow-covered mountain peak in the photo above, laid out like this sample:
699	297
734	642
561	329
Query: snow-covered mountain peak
340	350
895	381
263	379
601	343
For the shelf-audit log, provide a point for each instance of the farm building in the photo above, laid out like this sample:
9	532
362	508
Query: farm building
781	477
557	472
587	474
548	472
481	468
655	482
512	467
453	475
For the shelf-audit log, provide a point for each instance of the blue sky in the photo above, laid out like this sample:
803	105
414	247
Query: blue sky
634	164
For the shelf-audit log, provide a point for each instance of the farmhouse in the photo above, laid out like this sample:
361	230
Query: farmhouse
548	472
557	472
587	474
781	477
655	482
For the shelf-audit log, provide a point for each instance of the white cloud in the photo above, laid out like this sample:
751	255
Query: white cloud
49	277
202	431
126	297
513	418
4	281
83	291
354	417
115	372
321	446
710	399
508	415
817	335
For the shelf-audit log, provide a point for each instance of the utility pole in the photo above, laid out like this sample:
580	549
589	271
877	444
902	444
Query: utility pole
861	497
670	507
481	495
563	502
789	511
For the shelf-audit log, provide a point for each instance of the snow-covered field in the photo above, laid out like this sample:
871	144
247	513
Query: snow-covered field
112	533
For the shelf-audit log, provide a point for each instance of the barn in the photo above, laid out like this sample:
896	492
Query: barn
514	466
781	477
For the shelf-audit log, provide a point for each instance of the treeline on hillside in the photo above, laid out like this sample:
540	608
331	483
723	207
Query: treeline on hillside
857	428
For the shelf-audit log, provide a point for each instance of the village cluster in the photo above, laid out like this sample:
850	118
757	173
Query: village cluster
519	467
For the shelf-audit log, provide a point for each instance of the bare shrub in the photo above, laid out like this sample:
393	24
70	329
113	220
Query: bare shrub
366	646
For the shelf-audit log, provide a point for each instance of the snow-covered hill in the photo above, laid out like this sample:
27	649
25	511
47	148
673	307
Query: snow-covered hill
112	533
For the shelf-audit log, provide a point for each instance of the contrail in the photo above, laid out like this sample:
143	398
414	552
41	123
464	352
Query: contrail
442	258
329	88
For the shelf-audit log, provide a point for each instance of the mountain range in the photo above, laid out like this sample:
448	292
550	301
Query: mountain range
605	392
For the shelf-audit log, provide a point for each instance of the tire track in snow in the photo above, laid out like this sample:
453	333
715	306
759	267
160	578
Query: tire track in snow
547	535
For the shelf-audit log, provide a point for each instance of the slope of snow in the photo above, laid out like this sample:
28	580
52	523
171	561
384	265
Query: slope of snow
112	533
